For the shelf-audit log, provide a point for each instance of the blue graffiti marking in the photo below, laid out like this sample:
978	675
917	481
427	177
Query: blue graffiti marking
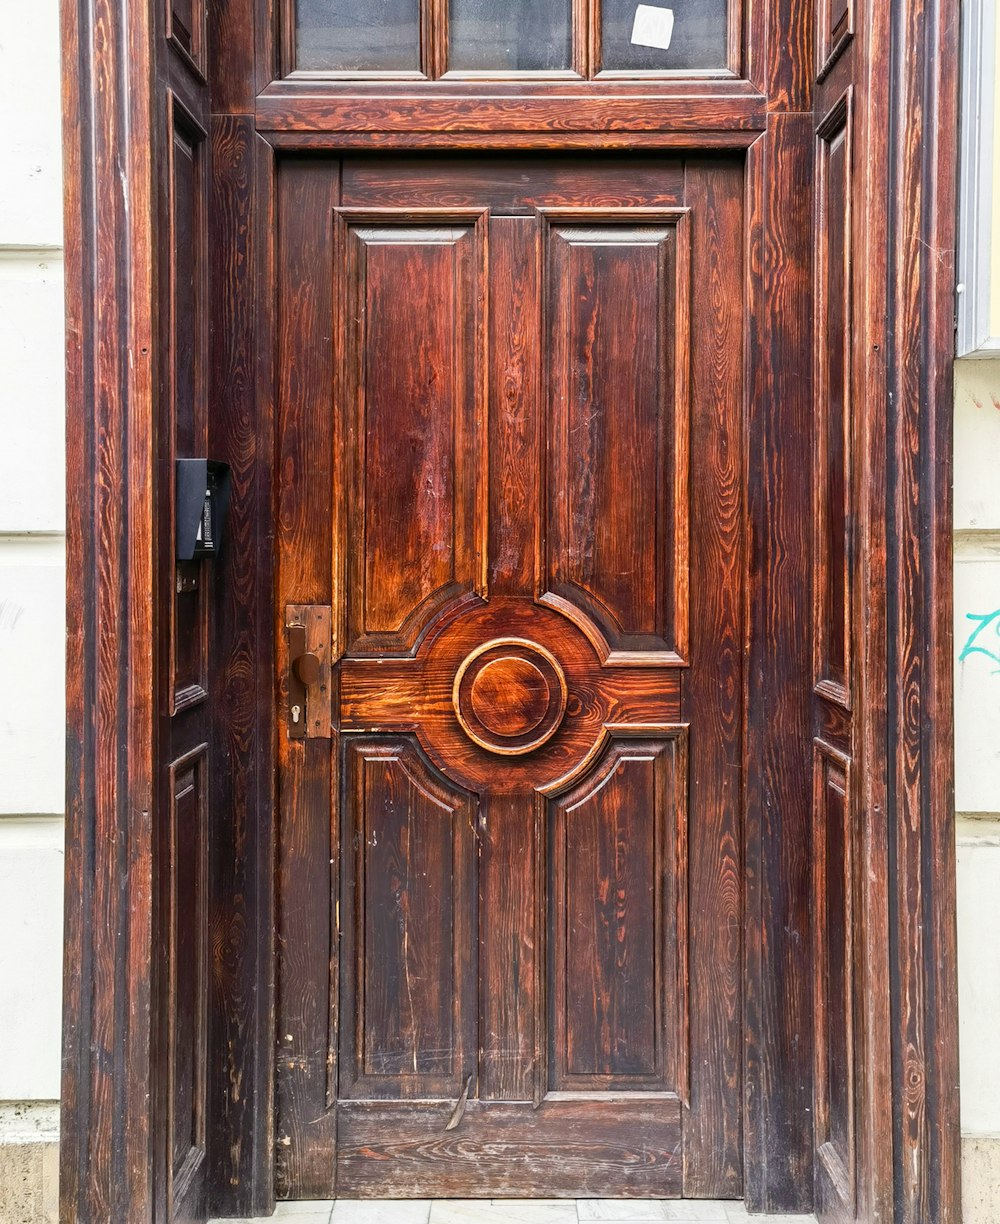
972	645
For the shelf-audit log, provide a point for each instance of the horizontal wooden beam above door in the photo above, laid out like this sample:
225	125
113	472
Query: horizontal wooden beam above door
682	116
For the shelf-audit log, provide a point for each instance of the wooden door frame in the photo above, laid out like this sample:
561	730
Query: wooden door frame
903	345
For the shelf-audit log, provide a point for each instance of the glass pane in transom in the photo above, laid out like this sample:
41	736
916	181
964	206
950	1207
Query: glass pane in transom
685	34
346	36
510	35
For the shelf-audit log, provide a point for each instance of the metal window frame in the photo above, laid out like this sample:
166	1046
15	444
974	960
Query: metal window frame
974	336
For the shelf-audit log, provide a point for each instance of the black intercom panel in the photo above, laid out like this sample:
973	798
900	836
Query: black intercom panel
202	499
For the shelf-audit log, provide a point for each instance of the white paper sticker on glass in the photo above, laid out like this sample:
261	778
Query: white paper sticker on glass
686	34
653	27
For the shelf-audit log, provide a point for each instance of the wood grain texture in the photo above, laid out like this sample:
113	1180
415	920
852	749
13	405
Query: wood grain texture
903	233
900	61
833	900
114	1122
241	1077
408	926
515	470
307	837
185	353
834	499
182	659
713	688
417	695
433	753
511	947
778	55
617	893
616	321
836	920
512	185
414	428
778	1120
922	113
187	930
532	140
571	1147
723	108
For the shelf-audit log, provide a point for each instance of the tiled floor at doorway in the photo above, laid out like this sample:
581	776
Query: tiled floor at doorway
521	1211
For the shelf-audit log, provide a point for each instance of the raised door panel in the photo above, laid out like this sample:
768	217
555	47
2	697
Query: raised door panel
616	326
617	897
513	185
837	927
412	368
833	911
833	422
408	926
187	959
186	388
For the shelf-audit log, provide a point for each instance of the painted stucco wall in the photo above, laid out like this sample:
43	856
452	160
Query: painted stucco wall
32	631
977	774
32	622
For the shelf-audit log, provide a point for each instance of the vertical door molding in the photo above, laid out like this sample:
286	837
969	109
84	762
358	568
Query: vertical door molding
915	407
778	1097
902	68
111	141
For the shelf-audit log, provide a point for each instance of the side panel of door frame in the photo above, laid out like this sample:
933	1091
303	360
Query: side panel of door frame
907	753
108	1092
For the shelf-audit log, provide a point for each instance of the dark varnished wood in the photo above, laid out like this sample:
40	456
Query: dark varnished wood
306	838
833	866
919	768
414	436
415	643
618	988
833	429
418	695
902	132
713	692
240	1068
719	107
512	185
408	921
778	1117
800	58
846	1015
187	955
184	785
511	947
616	315
508	1149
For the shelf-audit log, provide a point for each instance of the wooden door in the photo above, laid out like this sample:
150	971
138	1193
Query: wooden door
510	529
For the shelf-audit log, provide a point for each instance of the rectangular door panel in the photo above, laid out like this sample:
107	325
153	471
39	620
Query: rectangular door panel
834	916
617	899
562	1149
412	388
512	185
408	927
616	312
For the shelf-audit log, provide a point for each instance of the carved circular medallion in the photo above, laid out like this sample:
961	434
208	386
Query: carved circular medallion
510	696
